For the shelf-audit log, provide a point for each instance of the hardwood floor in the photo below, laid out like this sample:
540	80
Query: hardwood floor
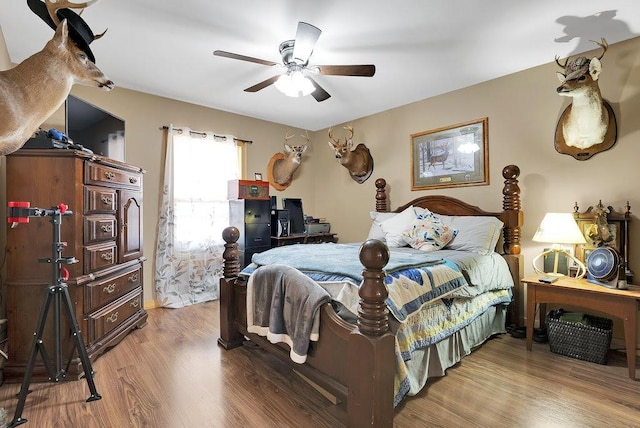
172	374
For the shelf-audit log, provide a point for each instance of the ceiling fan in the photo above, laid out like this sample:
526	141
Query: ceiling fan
296	80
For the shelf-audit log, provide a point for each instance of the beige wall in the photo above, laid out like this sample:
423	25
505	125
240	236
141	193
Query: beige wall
522	108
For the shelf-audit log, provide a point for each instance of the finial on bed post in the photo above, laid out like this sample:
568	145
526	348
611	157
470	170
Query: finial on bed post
231	255
371	346
381	195
373	315
512	208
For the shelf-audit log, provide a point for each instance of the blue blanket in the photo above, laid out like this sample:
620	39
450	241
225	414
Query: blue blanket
412	280
338	259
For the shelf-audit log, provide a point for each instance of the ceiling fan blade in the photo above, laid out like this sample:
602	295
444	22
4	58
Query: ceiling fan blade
319	94
263	84
243	58
347	70
306	38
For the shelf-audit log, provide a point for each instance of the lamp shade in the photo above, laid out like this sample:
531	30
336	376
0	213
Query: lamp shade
559	228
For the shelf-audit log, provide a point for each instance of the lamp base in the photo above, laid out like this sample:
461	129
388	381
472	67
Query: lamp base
582	270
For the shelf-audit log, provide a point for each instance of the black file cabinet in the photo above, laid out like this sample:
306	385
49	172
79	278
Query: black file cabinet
252	217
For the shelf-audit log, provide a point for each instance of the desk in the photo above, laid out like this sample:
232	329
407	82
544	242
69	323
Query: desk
571	291
312	238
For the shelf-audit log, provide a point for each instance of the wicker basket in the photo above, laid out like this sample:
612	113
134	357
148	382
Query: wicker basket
588	342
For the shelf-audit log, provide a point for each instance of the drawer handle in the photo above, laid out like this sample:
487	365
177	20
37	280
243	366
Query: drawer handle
134	304
133	180
133	278
106	200
109	175
109	288
106	256
113	317
107	228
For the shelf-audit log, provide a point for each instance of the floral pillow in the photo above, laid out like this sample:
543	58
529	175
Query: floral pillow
428	233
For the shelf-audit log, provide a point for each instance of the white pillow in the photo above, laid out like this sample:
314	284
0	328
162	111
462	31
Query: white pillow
375	231
394	226
479	234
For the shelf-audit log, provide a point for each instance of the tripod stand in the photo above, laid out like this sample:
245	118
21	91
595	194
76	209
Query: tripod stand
58	297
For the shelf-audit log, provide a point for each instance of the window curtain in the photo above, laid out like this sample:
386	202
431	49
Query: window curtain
193	212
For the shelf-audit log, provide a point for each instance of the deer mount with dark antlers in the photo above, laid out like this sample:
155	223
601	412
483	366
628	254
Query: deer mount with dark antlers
588	125
282	166
34	89
358	161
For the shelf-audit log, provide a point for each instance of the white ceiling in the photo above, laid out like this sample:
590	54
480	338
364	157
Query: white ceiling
421	48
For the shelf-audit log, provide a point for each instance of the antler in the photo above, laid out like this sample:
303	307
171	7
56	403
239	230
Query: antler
287	137
331	136
603	44
306	136
350	129
54	5
562	66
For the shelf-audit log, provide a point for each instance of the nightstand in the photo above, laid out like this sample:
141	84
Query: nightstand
623	304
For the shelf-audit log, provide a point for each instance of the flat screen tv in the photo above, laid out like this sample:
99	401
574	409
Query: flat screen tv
296	215
94	128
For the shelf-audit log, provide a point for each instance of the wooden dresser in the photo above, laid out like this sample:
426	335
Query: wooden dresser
104	233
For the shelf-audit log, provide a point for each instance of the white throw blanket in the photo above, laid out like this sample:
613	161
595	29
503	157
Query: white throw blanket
283	305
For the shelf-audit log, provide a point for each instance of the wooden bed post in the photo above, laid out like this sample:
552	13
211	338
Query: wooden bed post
381	195
371	357
230	337
513	219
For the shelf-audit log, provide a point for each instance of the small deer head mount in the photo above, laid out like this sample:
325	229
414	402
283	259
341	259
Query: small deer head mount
588	125
282	166
359	161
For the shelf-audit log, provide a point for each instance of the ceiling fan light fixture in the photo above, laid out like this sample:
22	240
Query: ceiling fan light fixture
294	84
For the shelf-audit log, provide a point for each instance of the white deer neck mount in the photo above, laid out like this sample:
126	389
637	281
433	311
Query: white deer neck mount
358	161
282	165
34	89
588	125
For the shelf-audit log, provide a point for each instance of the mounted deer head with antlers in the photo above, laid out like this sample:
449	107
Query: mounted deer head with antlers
282	166
358	161
34	89
588	125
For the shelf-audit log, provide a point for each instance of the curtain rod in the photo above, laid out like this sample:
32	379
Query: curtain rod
165	128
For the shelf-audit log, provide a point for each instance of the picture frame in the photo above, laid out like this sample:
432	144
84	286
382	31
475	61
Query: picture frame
257	176
456	155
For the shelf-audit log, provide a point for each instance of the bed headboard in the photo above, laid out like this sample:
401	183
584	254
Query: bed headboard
511	215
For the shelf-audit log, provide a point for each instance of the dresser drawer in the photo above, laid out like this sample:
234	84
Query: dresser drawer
99	256
103	175
99	293
109	318
99	228
99	200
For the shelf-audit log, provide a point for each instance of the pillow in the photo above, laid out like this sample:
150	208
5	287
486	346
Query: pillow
479	234
375	231
428	233
394	226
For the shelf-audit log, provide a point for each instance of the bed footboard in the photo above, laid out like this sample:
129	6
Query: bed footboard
366	380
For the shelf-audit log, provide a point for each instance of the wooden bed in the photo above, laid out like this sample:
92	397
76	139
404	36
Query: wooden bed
352	361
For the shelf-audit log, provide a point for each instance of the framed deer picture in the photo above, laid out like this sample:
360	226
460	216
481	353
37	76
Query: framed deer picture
452	156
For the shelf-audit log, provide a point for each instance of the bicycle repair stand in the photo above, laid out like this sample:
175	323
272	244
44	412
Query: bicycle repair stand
57	295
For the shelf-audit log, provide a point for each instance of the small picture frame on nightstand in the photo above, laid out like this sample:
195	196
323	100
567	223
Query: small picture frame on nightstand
257	176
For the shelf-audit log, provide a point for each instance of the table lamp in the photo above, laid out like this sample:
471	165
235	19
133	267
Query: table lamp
559	229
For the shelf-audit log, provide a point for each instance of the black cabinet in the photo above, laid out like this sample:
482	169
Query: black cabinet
252	217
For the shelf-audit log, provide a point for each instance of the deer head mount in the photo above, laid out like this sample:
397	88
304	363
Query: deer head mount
282	166
358	161
34	89
588	125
